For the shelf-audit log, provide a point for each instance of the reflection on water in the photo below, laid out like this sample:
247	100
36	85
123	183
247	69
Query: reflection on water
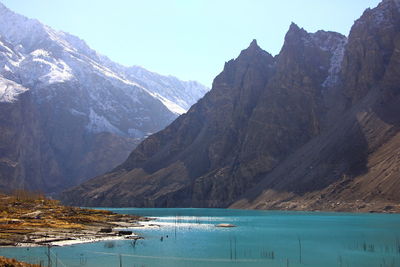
188	237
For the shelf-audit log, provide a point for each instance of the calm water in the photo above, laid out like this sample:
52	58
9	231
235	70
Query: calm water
261	238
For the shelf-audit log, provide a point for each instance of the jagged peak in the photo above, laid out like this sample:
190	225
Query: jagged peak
294	27
251	56
328	40
325	40
254	44
253	50
294	32
380	16
332	33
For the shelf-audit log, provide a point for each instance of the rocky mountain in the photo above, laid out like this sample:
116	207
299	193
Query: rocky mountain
315	127
68	113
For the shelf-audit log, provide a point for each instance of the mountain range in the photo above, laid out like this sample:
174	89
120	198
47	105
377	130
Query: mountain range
314	128
68	113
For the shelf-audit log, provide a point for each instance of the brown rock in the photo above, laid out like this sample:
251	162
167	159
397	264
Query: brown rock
279	133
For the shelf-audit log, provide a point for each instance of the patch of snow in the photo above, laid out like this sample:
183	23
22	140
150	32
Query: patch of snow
135	133
40	53
382	15
76	112
35	52
59	74
182	93
98	124
9	51
8	57
333	43
58	70
10	90
169	104
7	68
57	36
335	64
16	63
173	107
107	72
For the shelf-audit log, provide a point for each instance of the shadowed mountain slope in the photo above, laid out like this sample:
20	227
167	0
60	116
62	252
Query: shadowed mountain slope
315	127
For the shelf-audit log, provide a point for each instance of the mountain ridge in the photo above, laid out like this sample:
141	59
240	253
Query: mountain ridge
295	131
85	113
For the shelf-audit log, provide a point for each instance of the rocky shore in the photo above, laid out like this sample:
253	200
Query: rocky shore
28	219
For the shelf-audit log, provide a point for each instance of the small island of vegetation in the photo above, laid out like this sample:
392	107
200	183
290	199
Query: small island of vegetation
31	219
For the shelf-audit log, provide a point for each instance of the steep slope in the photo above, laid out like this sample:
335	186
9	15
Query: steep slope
183	93
316	127
354	164
68	113
214	152
177	95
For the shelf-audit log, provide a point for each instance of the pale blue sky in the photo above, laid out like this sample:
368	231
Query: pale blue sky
190	39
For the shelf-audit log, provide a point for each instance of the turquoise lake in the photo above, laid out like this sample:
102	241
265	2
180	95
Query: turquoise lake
261	238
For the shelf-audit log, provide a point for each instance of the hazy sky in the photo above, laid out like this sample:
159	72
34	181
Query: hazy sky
190	39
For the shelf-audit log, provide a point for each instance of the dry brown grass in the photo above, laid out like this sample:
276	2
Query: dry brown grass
5	262
24	212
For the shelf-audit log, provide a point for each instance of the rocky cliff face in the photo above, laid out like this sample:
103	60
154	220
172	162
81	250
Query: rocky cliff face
315	127
68	113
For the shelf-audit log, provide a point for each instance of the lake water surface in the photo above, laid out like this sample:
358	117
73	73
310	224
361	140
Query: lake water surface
188	237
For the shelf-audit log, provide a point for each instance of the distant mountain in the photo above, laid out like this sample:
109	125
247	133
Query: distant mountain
316	127
68	113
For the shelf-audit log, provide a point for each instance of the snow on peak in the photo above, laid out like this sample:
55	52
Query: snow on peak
333	43
174	107
176	94
55	70
40	53
117	99
7	68
10	90
380	16
98	124
335	64
328	41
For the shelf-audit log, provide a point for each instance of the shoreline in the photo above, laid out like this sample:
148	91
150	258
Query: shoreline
83	238
60	239
394	209
49	237
32	220
117	230
44	222
77	241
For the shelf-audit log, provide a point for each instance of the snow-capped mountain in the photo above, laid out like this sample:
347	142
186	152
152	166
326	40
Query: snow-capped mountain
35	55
77	95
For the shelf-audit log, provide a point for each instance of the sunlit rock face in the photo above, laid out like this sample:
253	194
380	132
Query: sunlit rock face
316	127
